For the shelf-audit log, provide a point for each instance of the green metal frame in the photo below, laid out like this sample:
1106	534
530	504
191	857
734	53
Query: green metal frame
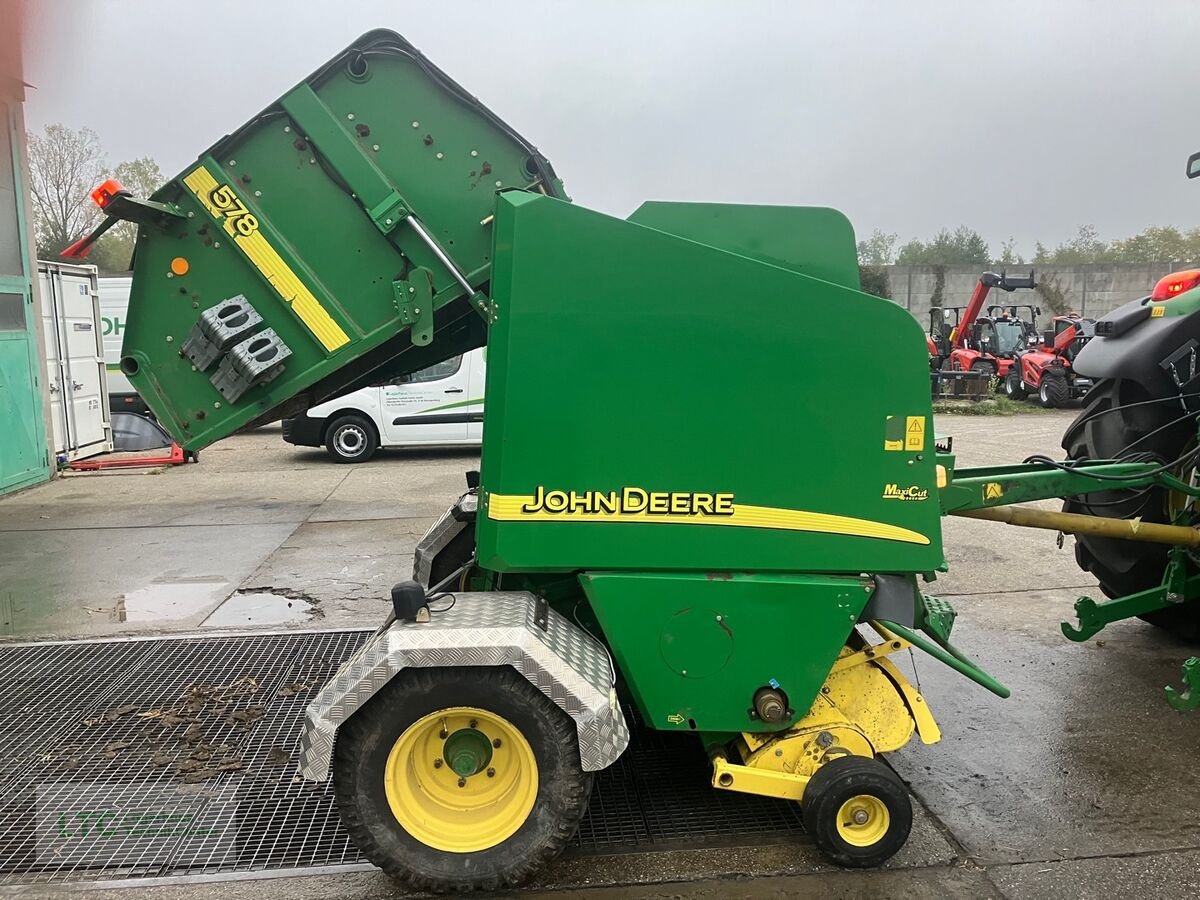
24	286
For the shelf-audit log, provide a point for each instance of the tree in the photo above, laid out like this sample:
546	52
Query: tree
877	250
874	280
64	166
141	177
1009	255
963	246
1085	247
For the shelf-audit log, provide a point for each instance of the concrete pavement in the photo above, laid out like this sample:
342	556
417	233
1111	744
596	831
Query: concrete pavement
1079	784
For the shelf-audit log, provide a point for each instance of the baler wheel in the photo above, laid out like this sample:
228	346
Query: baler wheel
858	812
460	779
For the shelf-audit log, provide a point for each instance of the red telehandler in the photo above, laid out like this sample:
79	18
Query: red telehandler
1047	370
988	344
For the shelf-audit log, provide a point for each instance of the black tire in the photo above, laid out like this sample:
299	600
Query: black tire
351	439
361	752
1013	388
1126	567
1054	391
833	786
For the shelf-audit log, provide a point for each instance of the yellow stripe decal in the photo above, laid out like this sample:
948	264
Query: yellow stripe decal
510	508
267	260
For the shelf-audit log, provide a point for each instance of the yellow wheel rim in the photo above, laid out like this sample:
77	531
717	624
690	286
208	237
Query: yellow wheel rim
863	821
461	779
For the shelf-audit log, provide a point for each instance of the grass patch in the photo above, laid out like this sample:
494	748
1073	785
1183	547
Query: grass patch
993	406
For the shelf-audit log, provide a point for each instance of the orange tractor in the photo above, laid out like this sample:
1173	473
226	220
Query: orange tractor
1046	369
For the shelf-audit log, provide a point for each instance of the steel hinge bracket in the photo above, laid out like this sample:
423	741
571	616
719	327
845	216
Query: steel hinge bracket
414	303
389	212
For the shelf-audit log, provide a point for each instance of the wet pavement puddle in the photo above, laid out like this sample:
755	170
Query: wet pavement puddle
258	608
169	601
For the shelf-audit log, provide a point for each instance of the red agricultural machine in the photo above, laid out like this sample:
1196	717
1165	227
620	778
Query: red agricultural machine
1047	369
984	343
962	344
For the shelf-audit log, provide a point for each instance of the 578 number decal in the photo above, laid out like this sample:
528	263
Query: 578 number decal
243	221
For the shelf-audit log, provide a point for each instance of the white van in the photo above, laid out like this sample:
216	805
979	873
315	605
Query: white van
114	302
441	406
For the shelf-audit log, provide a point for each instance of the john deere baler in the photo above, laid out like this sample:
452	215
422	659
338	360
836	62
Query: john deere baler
688	503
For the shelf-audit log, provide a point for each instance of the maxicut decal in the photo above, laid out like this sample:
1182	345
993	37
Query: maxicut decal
909	492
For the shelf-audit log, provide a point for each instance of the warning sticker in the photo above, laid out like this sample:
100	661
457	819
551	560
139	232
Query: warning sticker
1157	312
993	490
893	433
914	433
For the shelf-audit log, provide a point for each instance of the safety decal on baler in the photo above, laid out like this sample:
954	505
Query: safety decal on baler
239	223
633	504
904	433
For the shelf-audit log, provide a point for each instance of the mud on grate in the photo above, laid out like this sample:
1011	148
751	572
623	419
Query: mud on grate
175	756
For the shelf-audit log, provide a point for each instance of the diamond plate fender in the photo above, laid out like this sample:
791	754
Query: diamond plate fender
461	515
480	629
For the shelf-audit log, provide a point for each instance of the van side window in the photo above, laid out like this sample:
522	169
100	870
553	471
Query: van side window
434	373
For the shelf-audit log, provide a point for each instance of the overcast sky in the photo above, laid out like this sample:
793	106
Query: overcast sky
1021	119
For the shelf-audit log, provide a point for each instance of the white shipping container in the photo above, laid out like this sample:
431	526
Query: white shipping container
74	360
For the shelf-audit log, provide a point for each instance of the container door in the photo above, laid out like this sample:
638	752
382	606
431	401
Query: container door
426	407
55	379
82	353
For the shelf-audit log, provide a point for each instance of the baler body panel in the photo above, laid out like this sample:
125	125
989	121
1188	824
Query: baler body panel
625	359
693	649
302	211
811	240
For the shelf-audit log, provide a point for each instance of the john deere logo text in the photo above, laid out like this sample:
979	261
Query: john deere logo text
912	492
627	501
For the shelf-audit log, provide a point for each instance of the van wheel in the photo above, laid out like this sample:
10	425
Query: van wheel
351	439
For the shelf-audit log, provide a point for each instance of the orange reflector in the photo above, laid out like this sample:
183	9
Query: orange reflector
1176	283
179	266
104	193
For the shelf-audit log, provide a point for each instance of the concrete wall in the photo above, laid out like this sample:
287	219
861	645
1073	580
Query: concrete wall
1090	290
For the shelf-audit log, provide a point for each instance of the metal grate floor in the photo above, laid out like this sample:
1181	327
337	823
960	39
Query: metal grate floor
174	756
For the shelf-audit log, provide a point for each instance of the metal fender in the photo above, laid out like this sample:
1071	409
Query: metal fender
480	629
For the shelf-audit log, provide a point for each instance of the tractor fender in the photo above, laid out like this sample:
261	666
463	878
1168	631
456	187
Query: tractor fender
502	628
453	521
1131	343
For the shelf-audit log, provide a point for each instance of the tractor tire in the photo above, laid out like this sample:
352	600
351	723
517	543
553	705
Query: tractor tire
1013	388
351	439
1054	392
857	810
1126	567
460	779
